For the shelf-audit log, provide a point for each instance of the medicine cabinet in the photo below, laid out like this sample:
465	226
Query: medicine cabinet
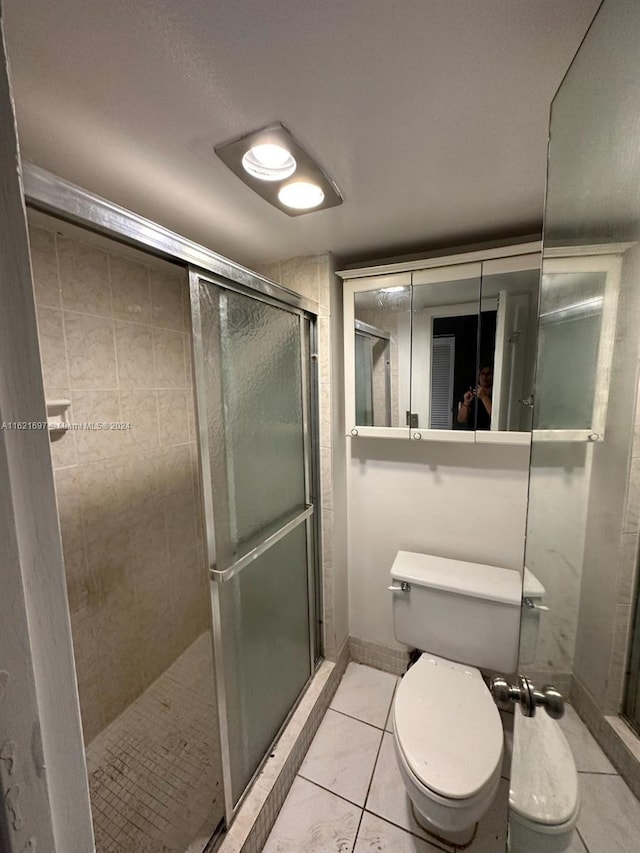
443	348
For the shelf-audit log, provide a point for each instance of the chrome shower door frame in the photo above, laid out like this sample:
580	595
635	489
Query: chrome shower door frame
214	478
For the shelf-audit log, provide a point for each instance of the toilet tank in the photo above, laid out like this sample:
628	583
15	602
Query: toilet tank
466	612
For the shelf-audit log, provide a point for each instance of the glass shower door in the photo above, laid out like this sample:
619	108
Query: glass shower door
252	375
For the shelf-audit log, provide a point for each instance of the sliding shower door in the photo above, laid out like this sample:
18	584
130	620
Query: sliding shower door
253	379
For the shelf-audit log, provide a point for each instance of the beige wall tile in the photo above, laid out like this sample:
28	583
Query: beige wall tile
82	587
84	632
52	350
140	409
134	348
168	348
173	406
93	408
63	448
167	300
84	277
91	351
44	263
156	621
129	508
130	290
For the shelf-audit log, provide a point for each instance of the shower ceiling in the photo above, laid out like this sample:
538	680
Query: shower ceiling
430	116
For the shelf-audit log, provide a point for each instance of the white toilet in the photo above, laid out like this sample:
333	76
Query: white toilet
447	729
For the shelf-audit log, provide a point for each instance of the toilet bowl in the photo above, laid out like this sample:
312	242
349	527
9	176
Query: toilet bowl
544	798
449	743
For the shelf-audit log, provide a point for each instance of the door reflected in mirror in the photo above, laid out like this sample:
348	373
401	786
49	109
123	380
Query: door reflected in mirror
382	356
507	349
444	354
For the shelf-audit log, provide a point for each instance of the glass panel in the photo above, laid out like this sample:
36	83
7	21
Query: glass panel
582	523
444	355
265	636
568	345
263	414
386	314
508	345
255	417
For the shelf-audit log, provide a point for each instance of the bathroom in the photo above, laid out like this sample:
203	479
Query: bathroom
117	317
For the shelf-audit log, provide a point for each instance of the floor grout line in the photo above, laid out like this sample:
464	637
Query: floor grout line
357	719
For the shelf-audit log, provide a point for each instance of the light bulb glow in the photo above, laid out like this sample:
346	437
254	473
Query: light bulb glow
301	195
269	162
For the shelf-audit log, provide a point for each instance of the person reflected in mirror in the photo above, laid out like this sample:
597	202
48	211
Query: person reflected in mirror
475	409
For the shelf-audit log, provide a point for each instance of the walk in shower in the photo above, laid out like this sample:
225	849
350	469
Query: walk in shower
186	497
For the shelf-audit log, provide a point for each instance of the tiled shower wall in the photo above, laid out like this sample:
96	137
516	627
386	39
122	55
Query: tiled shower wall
115	340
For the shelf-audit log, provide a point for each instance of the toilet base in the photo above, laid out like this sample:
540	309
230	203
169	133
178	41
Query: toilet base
460	840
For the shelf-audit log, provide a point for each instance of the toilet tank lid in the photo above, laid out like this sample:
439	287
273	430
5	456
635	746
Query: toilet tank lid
457	576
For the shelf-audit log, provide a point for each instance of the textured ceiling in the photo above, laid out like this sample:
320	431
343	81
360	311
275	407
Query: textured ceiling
431	115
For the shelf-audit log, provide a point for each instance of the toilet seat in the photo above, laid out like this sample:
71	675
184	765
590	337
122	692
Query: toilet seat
448	731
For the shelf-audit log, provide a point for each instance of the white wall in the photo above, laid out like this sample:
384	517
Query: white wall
462	501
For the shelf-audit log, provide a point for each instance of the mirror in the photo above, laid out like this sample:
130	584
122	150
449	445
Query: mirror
382	336
507	350
444	348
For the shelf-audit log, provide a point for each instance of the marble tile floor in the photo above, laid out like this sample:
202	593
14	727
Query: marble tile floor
348	796
155	771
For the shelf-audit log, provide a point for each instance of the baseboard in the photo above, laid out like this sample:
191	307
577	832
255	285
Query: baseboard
378	656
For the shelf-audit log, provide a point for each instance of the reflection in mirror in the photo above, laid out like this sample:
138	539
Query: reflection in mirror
507	349
570	326
444	353
583	520
382	356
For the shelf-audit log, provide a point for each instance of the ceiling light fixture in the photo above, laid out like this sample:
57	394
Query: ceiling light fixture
301	195
278	168
269	162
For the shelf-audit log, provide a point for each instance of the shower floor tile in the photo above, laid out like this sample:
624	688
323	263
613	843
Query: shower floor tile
154	772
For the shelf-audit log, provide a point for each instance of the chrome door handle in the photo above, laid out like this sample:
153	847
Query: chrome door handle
533	605
524	693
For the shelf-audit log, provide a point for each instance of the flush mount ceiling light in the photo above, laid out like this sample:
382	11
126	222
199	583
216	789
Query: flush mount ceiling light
301	195
269	162
278	168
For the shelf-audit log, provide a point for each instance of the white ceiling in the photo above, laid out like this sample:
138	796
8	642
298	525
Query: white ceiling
431	115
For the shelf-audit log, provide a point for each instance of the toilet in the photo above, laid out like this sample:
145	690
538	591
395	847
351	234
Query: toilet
465	617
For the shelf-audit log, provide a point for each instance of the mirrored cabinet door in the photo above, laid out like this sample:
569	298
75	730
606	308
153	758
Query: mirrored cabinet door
445	389
507	347
380	351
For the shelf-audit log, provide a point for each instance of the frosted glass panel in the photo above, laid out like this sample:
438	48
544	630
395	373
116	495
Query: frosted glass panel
568	344
265	631
262	393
